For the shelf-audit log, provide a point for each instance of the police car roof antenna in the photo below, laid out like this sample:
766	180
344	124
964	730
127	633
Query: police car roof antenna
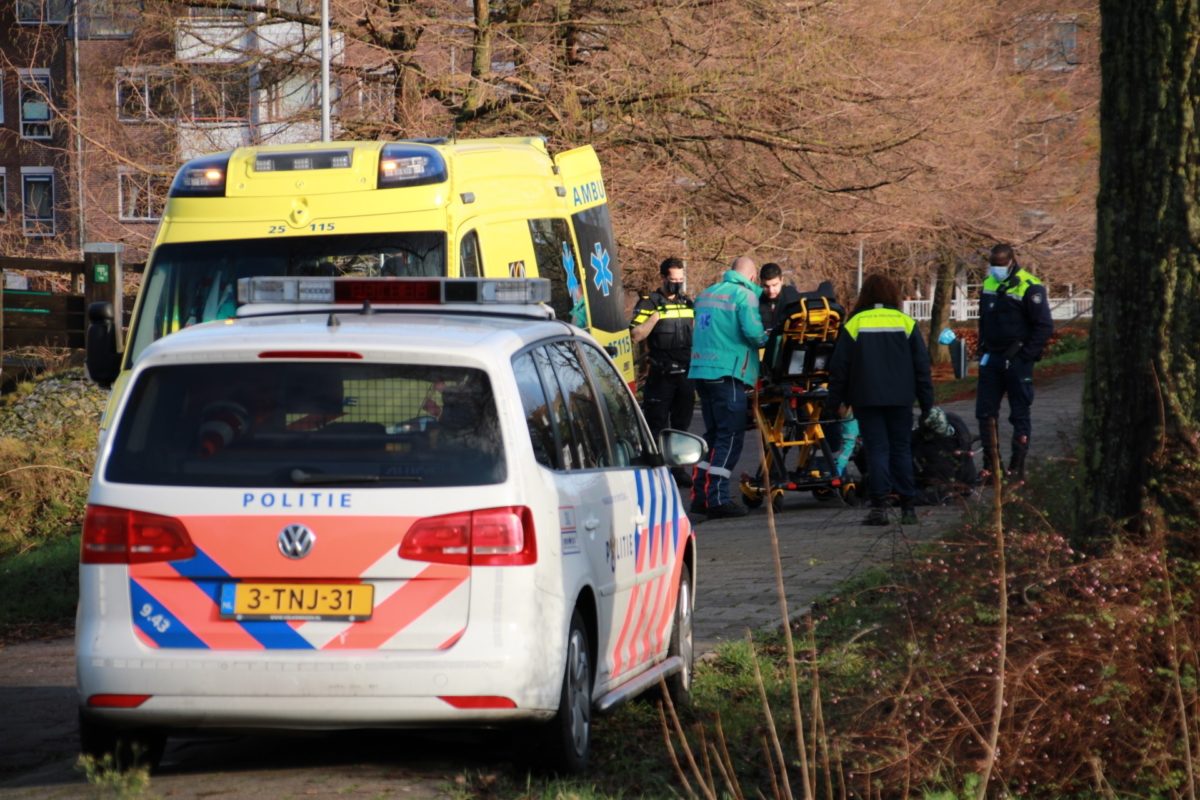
333	321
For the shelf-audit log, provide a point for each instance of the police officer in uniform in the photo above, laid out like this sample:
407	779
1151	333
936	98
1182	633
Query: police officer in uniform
664	319
1014	326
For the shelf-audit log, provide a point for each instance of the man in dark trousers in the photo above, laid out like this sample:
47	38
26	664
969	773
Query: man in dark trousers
664	319
1014	326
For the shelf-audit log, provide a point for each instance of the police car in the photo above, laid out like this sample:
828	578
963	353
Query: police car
380	503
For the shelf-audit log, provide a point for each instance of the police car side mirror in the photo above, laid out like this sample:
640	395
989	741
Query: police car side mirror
103	361
681	449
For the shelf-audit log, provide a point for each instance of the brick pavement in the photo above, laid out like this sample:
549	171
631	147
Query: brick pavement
822	543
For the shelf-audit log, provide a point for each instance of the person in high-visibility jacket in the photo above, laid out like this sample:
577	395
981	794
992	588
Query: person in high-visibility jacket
729	332
1014	326
664	319
880	366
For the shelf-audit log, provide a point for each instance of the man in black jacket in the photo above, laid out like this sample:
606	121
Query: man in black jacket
1014	326
776	295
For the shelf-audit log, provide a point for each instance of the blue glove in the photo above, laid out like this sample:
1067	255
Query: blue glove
983	361
946	336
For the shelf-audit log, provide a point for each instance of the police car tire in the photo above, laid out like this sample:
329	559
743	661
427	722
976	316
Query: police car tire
679	685
568	737
128	749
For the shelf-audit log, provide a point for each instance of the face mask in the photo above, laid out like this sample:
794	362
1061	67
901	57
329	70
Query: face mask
674	287
999	273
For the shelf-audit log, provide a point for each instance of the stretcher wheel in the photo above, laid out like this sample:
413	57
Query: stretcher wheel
851	495
752	494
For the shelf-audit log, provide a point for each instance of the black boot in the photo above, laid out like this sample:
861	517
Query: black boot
878	514
1016	465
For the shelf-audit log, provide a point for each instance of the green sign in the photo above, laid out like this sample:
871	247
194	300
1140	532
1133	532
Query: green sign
100	273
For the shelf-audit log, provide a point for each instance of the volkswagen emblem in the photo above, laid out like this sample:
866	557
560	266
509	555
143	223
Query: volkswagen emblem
296	540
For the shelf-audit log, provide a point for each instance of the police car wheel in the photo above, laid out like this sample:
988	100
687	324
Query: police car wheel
118	749
679	685
569	734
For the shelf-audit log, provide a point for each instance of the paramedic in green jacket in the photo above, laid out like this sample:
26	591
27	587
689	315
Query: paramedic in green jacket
725	345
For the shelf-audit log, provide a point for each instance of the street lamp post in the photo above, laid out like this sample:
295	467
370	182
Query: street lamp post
326	134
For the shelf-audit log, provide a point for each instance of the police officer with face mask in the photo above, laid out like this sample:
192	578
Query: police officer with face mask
664	319
1014	326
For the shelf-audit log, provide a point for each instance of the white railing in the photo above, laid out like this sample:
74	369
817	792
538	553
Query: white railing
964	309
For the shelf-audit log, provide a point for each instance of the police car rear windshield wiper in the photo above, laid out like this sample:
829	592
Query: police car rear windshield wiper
303	476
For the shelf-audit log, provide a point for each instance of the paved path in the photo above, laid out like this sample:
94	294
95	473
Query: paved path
822	543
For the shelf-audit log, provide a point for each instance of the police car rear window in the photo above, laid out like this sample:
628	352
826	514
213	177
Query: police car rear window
284	424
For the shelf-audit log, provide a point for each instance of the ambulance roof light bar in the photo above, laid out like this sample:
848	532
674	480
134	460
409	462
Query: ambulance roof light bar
393	291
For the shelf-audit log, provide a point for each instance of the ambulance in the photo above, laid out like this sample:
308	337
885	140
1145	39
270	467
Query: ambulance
500	207
380	502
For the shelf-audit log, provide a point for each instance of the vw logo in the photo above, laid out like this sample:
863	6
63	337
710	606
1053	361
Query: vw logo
296	540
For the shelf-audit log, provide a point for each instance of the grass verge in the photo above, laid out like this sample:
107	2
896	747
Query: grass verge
41	587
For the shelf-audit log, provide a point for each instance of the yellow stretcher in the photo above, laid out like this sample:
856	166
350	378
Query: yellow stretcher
789	411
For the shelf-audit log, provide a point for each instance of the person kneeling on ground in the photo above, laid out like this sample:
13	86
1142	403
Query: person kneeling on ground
942	459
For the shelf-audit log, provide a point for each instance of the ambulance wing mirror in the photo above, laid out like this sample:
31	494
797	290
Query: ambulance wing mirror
681	449
103	361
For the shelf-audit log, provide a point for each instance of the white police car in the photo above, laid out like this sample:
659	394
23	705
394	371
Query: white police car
379	503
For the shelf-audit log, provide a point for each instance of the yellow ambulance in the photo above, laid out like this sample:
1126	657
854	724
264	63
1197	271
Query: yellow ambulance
502	207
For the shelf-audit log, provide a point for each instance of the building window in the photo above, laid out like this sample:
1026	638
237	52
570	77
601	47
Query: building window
288	92
220	94
142	195
34	96
37	195
3	194
108	19
371	96
145	95
1047	43
43	12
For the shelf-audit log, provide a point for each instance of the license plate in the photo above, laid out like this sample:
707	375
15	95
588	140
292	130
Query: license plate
308	601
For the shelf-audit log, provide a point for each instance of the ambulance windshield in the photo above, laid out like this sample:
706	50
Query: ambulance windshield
197	282
292	424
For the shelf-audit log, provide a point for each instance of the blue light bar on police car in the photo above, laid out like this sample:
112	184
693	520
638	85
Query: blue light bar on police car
393	291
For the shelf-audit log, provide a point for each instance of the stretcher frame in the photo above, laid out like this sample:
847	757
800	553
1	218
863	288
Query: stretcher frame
788	406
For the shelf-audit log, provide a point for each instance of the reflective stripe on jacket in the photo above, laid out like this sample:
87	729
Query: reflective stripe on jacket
728	331
670	341
880	360
1014	312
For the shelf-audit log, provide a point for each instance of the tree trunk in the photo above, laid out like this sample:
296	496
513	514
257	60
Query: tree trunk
1141	392
481	58
939	314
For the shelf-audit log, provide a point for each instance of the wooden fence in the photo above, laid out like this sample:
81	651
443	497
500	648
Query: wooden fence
33	317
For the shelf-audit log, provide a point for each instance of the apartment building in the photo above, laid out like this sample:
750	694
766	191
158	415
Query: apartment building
35	194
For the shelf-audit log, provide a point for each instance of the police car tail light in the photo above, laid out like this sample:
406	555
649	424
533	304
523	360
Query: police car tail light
443	540
395	291
409	165
121	536
494	537
503	537
201	177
